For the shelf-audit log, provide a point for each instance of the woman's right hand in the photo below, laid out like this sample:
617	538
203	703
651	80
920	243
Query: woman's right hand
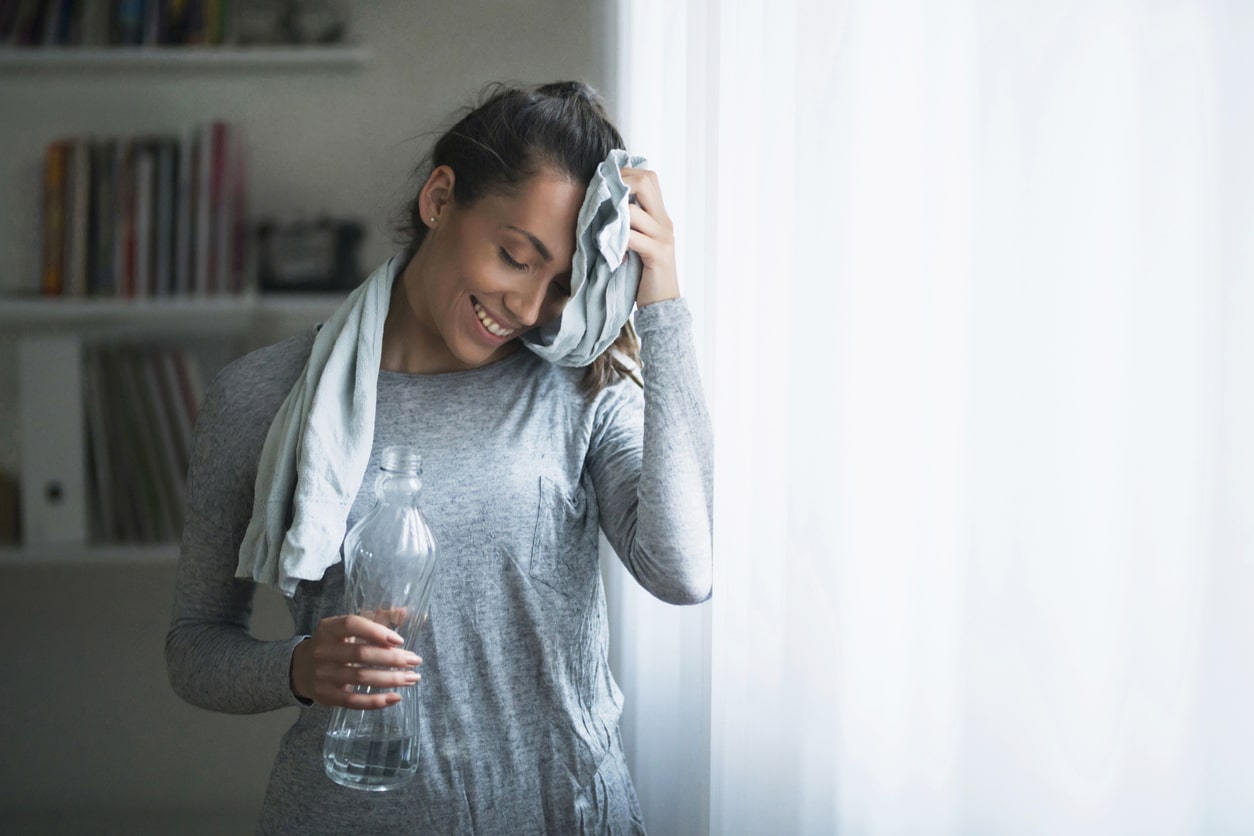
346	651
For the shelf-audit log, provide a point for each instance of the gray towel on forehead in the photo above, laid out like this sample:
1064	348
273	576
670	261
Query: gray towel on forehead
602	285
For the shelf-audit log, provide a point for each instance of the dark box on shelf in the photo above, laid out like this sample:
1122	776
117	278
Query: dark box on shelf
308	256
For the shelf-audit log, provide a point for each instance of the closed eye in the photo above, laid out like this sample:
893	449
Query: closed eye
509	259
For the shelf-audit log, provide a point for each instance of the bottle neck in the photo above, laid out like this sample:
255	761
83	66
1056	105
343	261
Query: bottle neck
398	488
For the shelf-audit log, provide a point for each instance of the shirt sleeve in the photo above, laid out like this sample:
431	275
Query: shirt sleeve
212	660
653	472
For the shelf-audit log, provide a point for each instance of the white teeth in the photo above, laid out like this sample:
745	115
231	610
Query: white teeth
490	323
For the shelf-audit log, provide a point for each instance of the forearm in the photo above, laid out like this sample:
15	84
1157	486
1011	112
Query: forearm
224	669
212	660
664	533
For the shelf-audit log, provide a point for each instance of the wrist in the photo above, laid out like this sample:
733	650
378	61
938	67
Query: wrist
660	295
295	672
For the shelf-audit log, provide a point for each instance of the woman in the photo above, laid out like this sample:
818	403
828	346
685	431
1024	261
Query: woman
523	461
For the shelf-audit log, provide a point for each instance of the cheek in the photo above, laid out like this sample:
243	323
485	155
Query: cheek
480	268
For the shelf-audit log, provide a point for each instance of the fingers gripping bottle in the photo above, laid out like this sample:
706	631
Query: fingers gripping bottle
390	558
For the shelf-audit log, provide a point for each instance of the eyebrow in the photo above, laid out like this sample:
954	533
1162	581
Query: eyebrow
535	242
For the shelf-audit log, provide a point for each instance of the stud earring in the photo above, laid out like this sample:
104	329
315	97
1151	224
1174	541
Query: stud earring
433	220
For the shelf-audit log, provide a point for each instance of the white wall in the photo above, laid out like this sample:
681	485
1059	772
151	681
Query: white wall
86	716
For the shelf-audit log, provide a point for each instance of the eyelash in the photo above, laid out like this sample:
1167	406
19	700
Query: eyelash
518	265
508	259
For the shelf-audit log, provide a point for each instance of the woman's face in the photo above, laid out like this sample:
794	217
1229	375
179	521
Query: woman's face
488	272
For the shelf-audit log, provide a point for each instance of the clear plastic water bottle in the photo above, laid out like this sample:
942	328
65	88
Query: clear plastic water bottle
390	558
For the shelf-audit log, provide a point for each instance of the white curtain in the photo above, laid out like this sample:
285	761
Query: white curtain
974	283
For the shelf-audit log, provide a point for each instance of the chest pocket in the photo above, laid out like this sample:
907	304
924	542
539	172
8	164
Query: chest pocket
563	550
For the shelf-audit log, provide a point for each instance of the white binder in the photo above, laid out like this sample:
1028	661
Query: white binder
54	467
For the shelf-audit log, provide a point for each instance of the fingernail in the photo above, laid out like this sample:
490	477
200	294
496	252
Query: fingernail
412	677
395	638
412	659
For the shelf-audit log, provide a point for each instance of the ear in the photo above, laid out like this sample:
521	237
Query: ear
436	195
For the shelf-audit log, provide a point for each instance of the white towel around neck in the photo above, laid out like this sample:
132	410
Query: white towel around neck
316	451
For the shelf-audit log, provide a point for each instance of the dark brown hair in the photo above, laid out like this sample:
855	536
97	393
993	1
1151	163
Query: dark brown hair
506	138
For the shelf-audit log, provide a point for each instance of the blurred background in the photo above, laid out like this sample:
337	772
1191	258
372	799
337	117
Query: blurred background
94	739
972	296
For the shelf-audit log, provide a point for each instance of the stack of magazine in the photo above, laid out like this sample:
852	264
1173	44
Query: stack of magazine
141	404
146	216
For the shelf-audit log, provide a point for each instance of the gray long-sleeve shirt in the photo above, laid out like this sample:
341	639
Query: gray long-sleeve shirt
520	713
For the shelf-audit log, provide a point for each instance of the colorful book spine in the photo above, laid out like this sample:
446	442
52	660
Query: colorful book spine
219	199
78	218
104	197
128	22
52	280
147	216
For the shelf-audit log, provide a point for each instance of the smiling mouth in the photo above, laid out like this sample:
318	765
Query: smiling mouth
494	328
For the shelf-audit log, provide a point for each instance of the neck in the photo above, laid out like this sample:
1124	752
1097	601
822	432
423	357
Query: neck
411	341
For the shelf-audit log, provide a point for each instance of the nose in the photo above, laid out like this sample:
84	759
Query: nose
525	304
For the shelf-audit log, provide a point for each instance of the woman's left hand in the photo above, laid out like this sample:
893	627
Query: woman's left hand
652	238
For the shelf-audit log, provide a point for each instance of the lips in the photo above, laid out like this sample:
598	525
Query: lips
494	327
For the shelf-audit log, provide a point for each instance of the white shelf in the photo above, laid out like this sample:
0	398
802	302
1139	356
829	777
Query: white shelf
36	59
77	554
152	317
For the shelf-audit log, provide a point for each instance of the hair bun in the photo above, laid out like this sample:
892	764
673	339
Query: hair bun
569	90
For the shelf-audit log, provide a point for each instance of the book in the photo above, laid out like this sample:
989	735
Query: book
124	220
152	22
143	219
165	221
29	25
78	197
128	22
103	483
202	246
128	501
239	214
104	177
142	458
52	14
220	202
191	386
197	26
182	420
52	280
214	12
185	201
8	20
94	26
167	476
95	170
174	21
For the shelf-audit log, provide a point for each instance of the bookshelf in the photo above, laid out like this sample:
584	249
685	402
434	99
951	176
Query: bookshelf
52	336
143	348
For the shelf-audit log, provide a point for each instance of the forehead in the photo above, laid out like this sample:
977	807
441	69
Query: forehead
545	205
